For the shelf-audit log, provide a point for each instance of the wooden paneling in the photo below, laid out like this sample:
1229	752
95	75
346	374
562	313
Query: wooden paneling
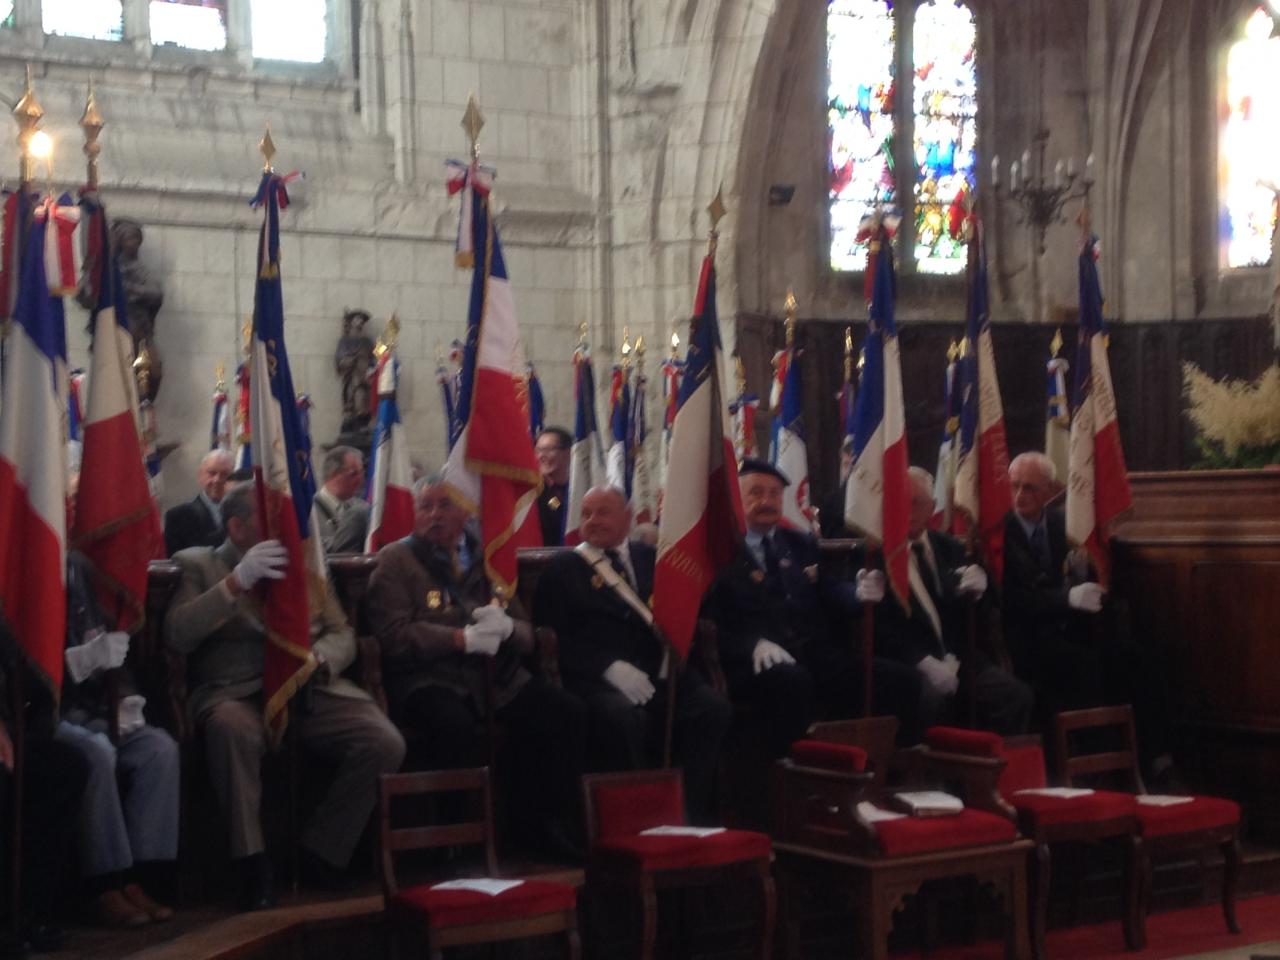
1146	364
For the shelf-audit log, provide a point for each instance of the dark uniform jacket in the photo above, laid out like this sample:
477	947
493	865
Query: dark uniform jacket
191	524
1034	596
594	626
551	505
417	601
785	605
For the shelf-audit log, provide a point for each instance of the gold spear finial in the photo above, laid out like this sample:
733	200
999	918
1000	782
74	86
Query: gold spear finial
1056	343
473	123
848	353
267	147
91	124
27	113
953	351
639	349
582	335
675	344
716	210
220	373
739	374
626	347
789	308
246	337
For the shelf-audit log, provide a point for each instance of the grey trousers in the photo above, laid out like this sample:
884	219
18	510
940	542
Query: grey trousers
354	733
130	808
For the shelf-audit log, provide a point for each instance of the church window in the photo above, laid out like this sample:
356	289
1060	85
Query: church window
6	13
92	19
901	123
194	24
1249	144
297	30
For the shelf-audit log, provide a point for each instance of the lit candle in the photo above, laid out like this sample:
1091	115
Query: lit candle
1013	175
995	171
1026	163
1071	168
1059	174
1089	170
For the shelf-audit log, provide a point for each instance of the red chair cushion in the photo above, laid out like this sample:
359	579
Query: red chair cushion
675	853
625	809
971	828
1024	770
456	908
1099	806
1202	813
829	756
978	743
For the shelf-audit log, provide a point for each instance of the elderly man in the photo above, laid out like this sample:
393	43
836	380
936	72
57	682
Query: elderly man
341	512
441	629
215	621
931	636
553	447
596	597
197	523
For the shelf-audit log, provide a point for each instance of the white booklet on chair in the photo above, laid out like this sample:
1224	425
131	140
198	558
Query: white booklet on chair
479	885
1161	800
928	803
681	831
1062	793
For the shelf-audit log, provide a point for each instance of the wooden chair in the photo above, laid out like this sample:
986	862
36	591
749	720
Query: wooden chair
1196	823
444	917
1101	817
820	834
620	808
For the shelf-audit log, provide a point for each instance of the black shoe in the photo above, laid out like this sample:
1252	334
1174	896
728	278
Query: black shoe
257	890
45	938
316	872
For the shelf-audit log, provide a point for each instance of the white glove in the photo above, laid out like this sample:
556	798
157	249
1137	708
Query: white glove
973	581
768	654
129	714
105	651
941	676
484	637
1086	597
495	618
870	586
265	560
632	682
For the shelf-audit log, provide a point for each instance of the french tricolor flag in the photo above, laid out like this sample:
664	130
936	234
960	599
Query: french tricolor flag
391	480
878	495
1098	485
618	462
492	469
701	522
586	465
282	474
788	451
982	495
33	453
117	525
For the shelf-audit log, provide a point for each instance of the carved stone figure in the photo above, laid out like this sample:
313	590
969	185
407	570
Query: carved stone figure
144	295
354	360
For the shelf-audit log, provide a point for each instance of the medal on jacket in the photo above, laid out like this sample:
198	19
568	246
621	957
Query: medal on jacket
757	576
554	503
597	581
811	572
435	599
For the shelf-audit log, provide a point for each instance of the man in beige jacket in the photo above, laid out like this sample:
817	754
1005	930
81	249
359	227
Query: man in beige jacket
214	621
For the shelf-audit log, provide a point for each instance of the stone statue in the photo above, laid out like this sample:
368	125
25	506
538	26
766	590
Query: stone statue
354	360
144	295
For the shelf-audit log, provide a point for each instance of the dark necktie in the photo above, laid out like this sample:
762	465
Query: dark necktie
615	560
1040	547
927	574
770	555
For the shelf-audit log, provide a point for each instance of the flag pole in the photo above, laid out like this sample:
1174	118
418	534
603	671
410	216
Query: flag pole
972	549
868	556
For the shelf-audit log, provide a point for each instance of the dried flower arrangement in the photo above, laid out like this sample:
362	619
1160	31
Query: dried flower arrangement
1238	420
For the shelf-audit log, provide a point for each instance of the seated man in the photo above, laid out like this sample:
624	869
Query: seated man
596	597
341	512
932	635
433	611
215	622
127	830
197	523
554	449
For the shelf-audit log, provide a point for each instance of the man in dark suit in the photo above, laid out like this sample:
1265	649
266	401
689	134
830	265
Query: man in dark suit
197	523
596	597
931	636
431	607
553	447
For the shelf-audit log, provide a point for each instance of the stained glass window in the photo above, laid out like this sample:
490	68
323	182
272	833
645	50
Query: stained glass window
94	19
1249	144
194	24
860	121
6	13
945	129
289	31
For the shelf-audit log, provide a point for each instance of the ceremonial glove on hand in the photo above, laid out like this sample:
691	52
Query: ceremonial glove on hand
870	586
973	581
495	618
768	654
106	651
484	637
939	675
632	682
1086	597
129	715
265	560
